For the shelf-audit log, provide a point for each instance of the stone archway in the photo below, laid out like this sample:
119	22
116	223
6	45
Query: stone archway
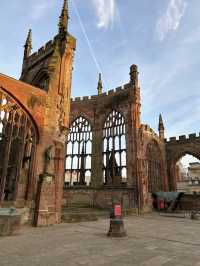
176	149
18	138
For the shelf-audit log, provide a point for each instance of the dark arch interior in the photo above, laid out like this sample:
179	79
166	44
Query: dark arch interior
17	148
42	81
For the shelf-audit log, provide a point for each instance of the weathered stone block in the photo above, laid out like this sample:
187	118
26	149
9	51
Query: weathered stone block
9	221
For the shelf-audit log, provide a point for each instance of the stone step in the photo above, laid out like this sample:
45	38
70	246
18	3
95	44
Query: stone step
82	213
78	217
74	214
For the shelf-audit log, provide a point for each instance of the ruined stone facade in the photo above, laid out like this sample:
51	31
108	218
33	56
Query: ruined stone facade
177	148
43	94
140	155
100	152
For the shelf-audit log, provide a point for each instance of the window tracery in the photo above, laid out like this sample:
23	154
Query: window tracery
114	149
79	153
16	131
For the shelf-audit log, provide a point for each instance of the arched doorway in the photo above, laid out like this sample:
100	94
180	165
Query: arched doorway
17	149
187	174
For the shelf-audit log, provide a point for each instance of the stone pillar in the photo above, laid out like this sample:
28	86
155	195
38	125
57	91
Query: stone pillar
50	187
45	212
59	168
145	202
131	174
97	157
172	176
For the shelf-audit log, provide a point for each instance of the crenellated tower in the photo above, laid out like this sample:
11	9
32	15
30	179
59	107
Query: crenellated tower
50	68
47	64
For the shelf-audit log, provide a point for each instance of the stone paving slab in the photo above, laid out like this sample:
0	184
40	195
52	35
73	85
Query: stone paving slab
152	241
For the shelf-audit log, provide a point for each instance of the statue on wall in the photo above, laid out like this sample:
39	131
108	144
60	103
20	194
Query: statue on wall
48	156
114	171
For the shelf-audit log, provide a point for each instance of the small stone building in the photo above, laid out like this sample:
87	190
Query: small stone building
93	150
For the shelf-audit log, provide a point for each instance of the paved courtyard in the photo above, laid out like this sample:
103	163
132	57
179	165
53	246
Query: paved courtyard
152	240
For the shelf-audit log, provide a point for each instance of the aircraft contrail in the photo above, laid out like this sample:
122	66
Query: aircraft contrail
87	39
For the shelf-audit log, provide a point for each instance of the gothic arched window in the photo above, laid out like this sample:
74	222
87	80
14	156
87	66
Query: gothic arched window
114	149
79	153
17	148
42	81
154	170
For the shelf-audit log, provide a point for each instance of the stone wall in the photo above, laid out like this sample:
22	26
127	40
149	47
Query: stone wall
126	100
99	198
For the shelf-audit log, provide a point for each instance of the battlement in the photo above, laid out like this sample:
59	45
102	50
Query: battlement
48	48
112	92
182	138
148	129
42	51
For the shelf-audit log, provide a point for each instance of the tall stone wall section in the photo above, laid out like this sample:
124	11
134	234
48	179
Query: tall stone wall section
125	99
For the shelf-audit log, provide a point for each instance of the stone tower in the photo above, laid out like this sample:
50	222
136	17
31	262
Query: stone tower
50	69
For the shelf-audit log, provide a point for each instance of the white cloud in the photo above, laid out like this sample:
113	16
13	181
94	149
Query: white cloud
170	21
106	11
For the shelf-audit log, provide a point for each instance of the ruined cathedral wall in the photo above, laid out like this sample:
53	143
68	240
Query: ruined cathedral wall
149	136
50	70
99	197
32	101
96	109
146	180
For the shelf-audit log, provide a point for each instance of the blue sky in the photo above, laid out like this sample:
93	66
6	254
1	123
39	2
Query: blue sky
161	36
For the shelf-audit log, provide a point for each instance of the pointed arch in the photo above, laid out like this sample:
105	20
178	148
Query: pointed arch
18	138
114	149
41	80
79	153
